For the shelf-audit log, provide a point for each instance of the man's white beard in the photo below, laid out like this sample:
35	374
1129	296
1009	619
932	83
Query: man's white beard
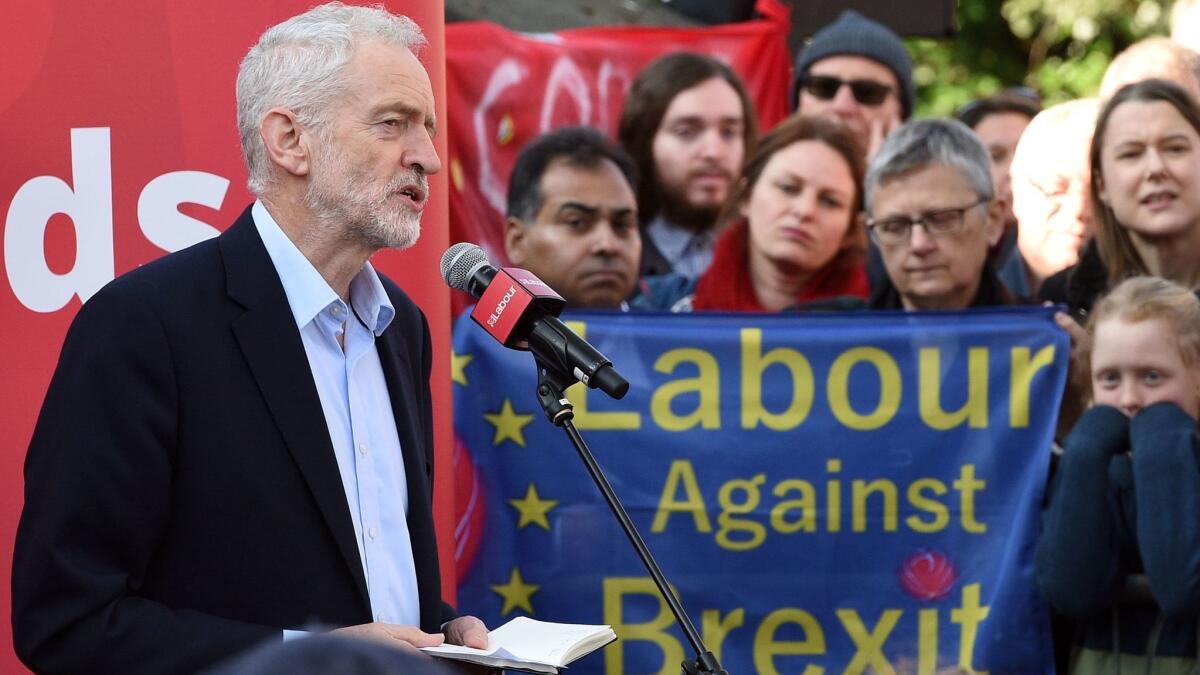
343	199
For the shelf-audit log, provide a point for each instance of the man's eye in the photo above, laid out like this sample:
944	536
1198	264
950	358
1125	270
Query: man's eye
686	133
893	225
941	218
1107	379
1152	377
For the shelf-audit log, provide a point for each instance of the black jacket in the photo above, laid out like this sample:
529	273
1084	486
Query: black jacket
182	498
1080	285
991	292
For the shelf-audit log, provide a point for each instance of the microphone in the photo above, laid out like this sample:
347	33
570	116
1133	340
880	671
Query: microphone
521	312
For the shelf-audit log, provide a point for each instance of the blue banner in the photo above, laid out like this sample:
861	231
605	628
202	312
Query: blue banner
854	492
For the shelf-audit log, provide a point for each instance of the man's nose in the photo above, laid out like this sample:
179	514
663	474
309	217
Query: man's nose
422	153
844	101
1074	204
604	239
919	238
711	142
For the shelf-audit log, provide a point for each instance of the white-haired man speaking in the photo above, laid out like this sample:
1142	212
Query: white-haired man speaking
237	442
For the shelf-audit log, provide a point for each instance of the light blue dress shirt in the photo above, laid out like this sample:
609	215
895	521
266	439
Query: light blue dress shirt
690	253
358	414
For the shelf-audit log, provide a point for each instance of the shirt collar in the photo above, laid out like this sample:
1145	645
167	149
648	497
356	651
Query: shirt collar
307	291
673	242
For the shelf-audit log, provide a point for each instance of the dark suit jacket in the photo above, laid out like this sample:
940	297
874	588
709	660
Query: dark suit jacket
182	498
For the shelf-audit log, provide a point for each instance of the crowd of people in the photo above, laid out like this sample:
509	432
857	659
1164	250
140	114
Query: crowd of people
850	204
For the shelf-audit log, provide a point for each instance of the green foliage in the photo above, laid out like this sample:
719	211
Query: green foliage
1058	47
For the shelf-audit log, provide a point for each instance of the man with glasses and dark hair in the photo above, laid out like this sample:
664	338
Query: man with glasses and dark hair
933	214
857	71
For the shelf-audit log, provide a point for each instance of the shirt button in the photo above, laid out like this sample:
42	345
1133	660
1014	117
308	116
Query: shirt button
335	310
373	532
362	447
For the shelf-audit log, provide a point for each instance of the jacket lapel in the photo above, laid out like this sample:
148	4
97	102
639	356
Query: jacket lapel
271	343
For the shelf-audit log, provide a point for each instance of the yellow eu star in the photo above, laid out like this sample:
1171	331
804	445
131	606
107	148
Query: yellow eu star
458	367
533	509
509	424
516	593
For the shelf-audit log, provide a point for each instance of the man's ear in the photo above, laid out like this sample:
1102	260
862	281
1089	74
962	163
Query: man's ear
995	220
514	241
285	141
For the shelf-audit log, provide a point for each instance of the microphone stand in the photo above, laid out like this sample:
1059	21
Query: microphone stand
550	393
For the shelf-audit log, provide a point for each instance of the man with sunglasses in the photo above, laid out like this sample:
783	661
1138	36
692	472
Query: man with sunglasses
856	71
933	213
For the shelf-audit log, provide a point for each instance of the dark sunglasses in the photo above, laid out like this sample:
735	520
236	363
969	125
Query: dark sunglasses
866	92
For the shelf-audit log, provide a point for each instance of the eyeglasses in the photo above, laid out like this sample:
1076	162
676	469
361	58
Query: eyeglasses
866	92
940	223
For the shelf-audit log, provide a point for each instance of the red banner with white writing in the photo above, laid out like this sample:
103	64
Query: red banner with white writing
506	88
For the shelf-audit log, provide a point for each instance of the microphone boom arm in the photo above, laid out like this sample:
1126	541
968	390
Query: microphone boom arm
552	382
552	345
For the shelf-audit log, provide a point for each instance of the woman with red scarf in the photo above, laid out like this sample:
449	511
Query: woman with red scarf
795	239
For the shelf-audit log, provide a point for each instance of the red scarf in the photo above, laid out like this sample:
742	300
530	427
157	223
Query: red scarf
726	285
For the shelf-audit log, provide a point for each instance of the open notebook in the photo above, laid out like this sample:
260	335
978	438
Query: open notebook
530	645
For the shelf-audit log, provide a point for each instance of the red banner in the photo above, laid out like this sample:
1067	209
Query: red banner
117	123
506	88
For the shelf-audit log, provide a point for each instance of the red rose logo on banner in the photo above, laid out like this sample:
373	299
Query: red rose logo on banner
504	89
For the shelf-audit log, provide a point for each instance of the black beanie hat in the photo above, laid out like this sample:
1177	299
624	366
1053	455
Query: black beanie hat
853	34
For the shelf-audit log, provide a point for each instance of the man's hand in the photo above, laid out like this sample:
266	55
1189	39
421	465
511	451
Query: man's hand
467	631
408	638
878	132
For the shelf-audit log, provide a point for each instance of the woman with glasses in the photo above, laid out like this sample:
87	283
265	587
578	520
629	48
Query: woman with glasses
934	216
794	237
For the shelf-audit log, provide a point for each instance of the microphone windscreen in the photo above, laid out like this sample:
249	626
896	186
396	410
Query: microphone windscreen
459	262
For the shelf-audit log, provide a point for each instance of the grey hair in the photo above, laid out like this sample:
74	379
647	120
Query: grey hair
922	143
299	65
